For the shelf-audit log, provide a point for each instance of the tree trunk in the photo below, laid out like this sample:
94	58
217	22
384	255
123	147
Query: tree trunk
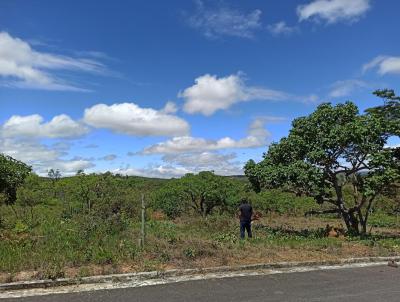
354	223
351	221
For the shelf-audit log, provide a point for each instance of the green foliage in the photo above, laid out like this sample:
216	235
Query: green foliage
276	201
389	111
169	200
31	194
230	237
20	227
190	252
12	175
202	193
331	146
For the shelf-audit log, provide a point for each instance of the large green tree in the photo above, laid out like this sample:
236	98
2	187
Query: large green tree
12	175
332	147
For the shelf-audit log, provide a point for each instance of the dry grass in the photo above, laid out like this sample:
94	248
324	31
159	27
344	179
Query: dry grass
198	243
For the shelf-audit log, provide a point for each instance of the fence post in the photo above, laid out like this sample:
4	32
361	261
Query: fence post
143	226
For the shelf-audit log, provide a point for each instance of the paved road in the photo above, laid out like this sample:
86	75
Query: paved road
356	284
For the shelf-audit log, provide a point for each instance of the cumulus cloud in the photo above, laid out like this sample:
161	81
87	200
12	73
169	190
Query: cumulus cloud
20	138
66	167
384	65
155	171
201	159
170	107
346	87
333	11
257	137
22	66
177	165
222	164
60	126
129	118
225	21
42	157
210	94
281	28
27	151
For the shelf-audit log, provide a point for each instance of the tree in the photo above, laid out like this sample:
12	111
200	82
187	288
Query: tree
326	150
389	111
31	194
169	199
202	193
12	175
80	172
253	174
55	176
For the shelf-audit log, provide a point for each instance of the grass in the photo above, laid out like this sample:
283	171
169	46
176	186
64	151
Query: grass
50	247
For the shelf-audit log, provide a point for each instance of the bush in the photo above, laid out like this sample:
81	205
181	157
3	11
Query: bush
281	202
168	200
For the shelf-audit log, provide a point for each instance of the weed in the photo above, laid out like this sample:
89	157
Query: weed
189	253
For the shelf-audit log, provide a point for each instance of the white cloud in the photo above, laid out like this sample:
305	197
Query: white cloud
42	157
22	66
170	107
221	164
210	94
66	167
281	28
61	126
384	65
201	159
27	151
346	87
161	171
257	137
177	165
225	21
333	11
129	118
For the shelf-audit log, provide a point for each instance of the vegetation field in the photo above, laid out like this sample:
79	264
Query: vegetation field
62	236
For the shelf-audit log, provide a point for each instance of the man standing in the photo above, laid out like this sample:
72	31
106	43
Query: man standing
246	212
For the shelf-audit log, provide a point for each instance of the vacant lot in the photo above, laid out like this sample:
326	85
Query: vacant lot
63	247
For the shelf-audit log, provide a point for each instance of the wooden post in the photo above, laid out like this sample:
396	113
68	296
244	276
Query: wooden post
143	227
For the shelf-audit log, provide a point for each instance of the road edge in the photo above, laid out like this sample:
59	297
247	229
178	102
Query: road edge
142	276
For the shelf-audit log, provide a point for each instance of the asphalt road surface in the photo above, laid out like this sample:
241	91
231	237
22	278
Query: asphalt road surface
366	284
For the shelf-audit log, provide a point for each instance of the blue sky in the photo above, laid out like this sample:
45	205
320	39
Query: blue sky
162	88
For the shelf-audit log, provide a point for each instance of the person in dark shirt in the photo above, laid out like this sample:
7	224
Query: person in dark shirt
245	214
